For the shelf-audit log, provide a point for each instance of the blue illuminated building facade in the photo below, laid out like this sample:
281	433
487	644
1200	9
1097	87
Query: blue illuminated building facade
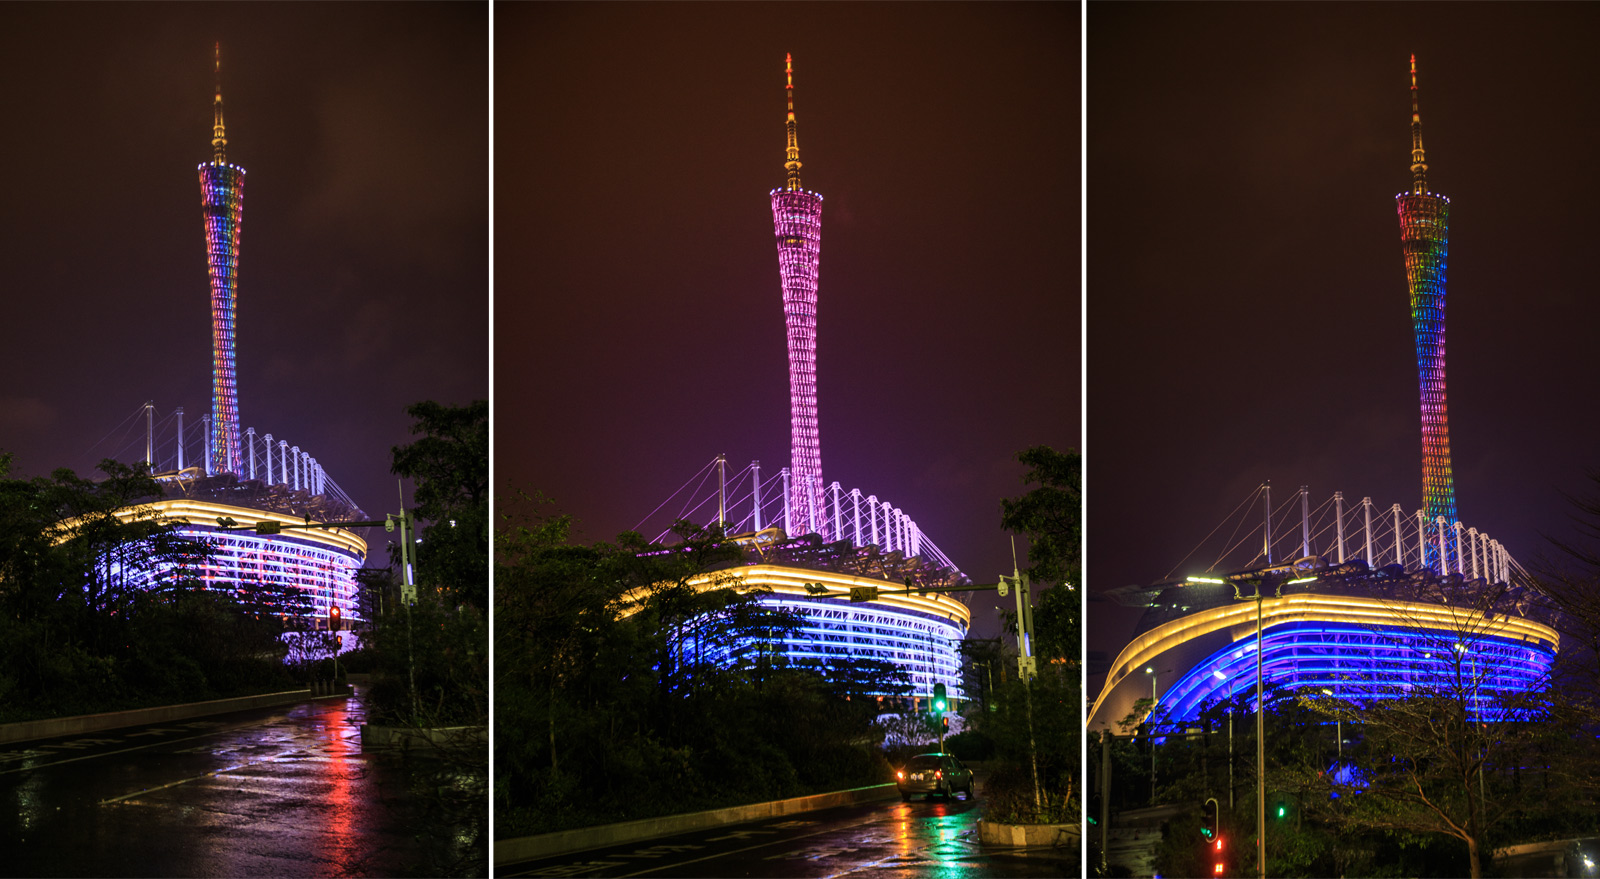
1345	631
921	634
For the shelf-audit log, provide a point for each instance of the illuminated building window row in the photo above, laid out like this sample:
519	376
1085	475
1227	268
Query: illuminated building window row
926	647
1361	664
325	575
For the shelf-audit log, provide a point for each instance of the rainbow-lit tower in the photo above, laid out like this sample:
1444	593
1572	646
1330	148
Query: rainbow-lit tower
222	194
797	221
1424	235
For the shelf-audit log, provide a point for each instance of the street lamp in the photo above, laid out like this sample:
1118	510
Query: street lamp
1338	725
1217	673
1261	724
1151	671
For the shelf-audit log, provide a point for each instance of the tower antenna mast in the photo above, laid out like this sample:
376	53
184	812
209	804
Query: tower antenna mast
1419	159
791	152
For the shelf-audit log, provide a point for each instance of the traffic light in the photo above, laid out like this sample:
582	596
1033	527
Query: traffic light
1208	820
946	722
334	620
940	704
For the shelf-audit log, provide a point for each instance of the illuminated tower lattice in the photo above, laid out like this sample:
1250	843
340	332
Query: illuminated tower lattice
797	222
222	194
1424	233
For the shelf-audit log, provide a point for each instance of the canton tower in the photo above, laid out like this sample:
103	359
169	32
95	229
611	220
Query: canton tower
797	223
222	194
1424	236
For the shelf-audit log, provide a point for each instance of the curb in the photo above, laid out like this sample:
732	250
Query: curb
52	727
562	842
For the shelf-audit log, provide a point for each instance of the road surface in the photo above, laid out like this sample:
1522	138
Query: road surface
878	840
282	791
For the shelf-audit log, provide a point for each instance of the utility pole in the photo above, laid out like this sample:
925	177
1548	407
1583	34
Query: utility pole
408	581
1027	665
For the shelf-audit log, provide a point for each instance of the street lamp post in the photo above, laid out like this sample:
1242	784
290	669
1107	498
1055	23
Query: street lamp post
1338	725
1261	725
1217	673
1150	670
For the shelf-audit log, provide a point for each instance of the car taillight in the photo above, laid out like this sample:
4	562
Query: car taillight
938	773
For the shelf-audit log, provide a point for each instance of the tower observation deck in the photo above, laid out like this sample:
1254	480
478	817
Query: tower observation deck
797	224
1424	237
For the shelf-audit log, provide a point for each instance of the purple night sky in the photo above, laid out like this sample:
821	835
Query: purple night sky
363	268
639	325
1248	309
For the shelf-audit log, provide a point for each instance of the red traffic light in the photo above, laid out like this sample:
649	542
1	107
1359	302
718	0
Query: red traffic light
334	620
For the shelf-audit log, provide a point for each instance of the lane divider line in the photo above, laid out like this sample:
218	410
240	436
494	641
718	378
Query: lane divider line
156	744
276	758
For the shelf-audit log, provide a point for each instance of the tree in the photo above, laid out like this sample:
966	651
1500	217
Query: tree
450	468
1444	753
432	662
102	607
631	682
1050	516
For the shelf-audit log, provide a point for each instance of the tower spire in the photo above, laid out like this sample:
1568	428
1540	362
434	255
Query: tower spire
219	132
792	151
1419	160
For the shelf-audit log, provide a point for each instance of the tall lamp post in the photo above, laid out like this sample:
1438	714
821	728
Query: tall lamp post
1260	580
1217	673
1151	671
1338	724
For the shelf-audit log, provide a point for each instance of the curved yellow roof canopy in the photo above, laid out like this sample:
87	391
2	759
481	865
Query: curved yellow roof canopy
198	512
784	580
1240	617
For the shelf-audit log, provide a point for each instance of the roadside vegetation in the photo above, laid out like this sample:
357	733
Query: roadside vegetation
1032	730
622	692
79	634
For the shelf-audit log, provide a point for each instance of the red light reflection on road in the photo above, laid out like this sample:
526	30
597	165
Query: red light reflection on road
340	853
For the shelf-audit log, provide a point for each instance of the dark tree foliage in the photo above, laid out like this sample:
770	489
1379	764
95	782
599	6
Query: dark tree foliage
1050	516
449	466
623	690
1403	800
80	629
437	650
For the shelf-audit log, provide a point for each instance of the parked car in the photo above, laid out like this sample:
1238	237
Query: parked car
934	775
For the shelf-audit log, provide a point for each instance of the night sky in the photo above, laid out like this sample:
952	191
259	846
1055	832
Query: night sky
1248	309
639	325
364	253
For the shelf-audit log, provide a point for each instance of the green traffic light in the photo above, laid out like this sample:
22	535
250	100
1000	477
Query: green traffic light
1282	811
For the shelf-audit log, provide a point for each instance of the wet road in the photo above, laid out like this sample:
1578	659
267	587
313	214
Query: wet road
917	840
280	791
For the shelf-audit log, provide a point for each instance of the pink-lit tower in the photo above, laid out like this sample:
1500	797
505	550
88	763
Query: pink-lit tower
1424	236
797	222
222	195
